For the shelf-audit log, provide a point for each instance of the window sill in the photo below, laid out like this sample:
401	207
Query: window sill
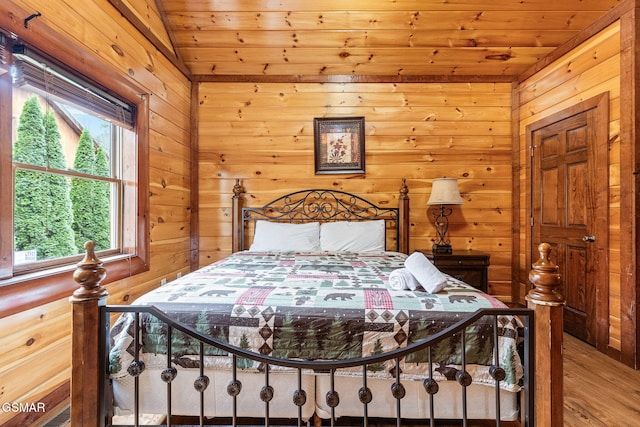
31	290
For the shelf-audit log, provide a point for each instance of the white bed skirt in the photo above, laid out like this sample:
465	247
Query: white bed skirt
217	402
415	405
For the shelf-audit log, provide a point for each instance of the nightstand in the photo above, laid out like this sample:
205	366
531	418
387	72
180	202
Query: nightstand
469	266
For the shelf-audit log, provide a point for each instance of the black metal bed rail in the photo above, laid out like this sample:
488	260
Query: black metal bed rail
299	397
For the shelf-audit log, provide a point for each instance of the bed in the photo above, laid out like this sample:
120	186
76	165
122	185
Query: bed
302	323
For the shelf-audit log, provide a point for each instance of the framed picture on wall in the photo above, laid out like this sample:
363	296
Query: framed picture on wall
339	145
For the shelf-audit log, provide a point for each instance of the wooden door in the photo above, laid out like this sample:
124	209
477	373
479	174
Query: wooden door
569	188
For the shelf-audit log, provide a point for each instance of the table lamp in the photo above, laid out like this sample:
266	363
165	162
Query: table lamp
444	192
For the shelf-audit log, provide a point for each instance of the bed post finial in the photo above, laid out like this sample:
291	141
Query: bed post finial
87	332
236	217
403	218
88	275
548	305
545	278
404	190
237	189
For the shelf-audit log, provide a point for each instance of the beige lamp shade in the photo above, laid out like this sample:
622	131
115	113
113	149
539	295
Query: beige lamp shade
444	191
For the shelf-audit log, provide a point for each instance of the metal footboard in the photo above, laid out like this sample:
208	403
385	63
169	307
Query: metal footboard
300	367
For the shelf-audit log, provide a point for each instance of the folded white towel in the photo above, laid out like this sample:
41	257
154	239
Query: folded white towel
427	274
401	279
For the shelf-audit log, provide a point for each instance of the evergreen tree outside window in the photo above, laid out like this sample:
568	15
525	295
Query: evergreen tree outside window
30	208
42	213
90	198
60	239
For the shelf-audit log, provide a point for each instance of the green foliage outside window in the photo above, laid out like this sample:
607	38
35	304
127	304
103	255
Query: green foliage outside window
60	240
42	215
90	198
52	216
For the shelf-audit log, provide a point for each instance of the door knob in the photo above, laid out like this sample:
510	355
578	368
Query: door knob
589	239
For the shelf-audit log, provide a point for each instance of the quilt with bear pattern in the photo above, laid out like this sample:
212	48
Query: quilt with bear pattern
316	306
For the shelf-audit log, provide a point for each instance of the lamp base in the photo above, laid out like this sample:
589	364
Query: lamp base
441	249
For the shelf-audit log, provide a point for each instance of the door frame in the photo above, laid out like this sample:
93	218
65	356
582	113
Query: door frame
599	250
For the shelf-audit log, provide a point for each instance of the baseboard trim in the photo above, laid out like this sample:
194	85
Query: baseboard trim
53	403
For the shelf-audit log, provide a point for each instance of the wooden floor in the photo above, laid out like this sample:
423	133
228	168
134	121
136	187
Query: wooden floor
598	391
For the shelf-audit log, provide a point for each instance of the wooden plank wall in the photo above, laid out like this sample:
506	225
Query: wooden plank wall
586	71
262	133
35	345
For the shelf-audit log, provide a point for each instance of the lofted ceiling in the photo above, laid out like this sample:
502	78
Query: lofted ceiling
500	38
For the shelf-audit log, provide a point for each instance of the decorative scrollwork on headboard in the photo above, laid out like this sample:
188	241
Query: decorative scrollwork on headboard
319	205
322	206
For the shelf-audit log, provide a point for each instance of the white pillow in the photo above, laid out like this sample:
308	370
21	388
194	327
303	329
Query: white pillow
353	236
284	236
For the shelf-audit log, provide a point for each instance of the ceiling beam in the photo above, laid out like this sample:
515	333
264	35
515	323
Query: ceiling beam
336	78
170	54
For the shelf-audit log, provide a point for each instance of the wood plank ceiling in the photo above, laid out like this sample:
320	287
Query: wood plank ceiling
500	38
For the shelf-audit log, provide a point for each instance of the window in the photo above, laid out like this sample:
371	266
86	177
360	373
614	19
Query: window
75	159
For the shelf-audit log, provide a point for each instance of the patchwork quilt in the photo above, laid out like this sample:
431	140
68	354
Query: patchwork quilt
316	306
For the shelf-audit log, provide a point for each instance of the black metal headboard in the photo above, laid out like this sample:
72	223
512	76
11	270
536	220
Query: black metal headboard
322	206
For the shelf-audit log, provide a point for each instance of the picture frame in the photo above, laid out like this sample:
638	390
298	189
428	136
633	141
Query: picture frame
339	145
